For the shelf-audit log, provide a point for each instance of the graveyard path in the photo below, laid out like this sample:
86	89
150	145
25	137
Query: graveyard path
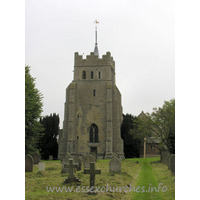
147	185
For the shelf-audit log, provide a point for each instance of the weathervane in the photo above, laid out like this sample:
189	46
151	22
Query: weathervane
96	52
96	22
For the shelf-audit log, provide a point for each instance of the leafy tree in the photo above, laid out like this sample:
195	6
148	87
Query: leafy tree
160	124
33	109
48	141
129	134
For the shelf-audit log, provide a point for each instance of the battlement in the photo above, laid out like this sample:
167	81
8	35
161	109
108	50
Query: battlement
93	60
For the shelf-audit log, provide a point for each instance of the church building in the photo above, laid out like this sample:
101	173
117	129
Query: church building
93	111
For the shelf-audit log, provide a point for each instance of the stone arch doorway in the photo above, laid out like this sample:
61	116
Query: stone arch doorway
93	138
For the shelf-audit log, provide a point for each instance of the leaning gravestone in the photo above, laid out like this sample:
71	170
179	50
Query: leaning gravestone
28	163
172	164
51	157
65	162
115	165
41	166
92	171
72	178
165	157
36	158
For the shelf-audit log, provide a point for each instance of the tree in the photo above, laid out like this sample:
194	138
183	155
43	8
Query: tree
160	124
48	141
132	143
33	109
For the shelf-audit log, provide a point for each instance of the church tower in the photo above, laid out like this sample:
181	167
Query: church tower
93	111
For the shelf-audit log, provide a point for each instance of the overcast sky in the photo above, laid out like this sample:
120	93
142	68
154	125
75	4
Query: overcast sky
139	34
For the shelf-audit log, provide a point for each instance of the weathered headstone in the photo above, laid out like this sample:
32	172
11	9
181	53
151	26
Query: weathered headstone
41	166
51	157
115	165
36	158
165	157
64	162
92	171
172	164
72	178
28	163
76	159
81	158
87	160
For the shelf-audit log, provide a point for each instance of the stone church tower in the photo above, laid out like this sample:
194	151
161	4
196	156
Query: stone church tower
93	111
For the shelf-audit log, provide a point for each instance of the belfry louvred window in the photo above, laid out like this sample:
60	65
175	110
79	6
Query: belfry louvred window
91	74
84	75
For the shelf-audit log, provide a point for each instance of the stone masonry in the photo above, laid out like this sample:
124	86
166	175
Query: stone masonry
93	111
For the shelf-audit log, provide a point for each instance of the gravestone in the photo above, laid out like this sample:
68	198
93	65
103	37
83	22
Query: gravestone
115	165
36	158
51	157
87	160
41	166
165	157
28	163
81	158
72	178
92	171
76	159
172	164
64	162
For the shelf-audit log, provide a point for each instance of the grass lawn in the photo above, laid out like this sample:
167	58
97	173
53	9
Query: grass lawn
141	177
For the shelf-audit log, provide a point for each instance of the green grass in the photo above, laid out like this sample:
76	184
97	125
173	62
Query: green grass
146	183
134	174
157	181
164	176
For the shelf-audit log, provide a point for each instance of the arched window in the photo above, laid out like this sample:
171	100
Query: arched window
94	134
84	74
94	93
99	74
91	74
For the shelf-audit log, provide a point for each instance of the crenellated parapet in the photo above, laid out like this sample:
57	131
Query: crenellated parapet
93	60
